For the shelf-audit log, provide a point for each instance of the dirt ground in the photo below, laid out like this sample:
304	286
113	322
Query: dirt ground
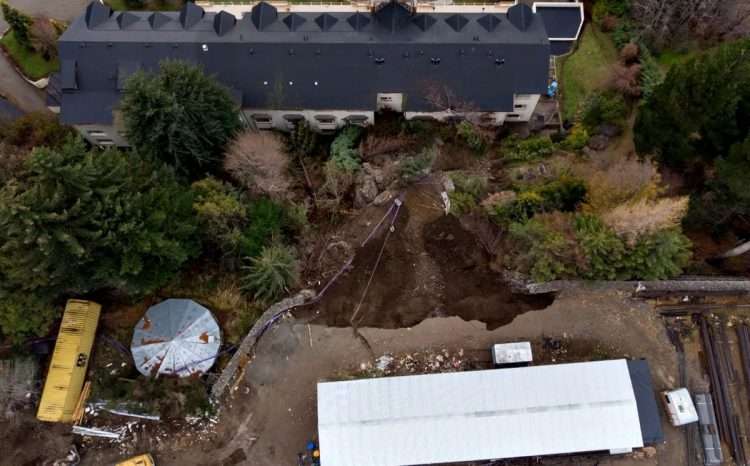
430	267
432	294
272	412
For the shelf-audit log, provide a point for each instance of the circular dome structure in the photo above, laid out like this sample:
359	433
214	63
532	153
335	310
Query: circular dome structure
175	337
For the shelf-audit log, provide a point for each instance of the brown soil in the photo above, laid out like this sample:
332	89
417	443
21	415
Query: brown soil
430	267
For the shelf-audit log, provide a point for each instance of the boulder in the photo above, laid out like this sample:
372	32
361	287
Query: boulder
599	142
377	173
383	197
366	191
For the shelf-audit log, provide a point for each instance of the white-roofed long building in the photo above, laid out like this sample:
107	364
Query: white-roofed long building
490	414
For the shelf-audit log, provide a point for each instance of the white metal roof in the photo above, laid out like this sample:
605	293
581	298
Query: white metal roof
465	416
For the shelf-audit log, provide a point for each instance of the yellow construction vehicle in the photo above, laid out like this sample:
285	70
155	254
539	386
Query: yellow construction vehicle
140	460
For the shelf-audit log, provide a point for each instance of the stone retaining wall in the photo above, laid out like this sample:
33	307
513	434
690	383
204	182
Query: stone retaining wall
248	343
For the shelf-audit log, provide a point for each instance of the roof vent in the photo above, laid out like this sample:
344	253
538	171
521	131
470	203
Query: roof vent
125	19
424	22
97	14
393	15
294	21
457	22
520	16
263	15
489	22
157	20
224	22
190	15
325	21
358	21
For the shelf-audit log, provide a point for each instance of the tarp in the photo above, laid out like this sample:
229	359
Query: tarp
176	336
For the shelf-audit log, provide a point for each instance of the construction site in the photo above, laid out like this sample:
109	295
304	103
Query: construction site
419	297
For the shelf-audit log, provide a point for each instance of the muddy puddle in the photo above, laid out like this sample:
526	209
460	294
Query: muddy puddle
428	269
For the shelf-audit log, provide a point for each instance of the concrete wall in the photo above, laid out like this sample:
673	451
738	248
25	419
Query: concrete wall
328	121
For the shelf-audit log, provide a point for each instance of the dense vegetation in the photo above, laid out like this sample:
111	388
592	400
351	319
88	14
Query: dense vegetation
181	116
714	90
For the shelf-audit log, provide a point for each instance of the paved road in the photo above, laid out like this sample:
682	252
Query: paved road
12	86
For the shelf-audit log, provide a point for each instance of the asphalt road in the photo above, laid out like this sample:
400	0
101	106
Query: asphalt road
14	87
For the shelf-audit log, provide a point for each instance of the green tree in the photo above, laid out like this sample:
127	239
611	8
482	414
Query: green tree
700	109
24	315
221	213
179	115
83	220
19	23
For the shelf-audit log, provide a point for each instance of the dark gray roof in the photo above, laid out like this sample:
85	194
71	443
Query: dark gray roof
562	21
271	66
96	14
648	409
521	16
224	22
190	15
8	110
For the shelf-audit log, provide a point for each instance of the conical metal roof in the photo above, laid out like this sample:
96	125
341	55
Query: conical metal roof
175	337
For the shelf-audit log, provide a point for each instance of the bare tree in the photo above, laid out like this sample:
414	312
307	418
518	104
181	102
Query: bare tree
626	79
44	36
258	161
443	99
664	21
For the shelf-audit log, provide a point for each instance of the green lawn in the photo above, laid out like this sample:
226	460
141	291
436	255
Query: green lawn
33	64
586	70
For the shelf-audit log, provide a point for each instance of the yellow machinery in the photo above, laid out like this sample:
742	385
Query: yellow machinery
67	371
140	460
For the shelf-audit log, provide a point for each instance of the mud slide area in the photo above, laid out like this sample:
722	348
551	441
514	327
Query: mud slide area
430	267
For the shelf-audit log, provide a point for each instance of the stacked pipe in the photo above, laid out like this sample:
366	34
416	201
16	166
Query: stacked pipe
727	420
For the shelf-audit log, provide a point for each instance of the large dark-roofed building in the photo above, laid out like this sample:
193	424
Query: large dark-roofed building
340	62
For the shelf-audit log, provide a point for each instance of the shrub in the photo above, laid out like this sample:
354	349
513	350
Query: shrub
220	212
603	250
576	140
624	33
19	23
617	8
515	149
626	181
659	255
630	53
564	194
302	140
473	185
604	107
651	74
543	253
83	220
462	203
344	153
626	79
34	130
179	115
474	137
44	36
12	160
24	315
608	23
256	159
266	225
272	273
418	166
